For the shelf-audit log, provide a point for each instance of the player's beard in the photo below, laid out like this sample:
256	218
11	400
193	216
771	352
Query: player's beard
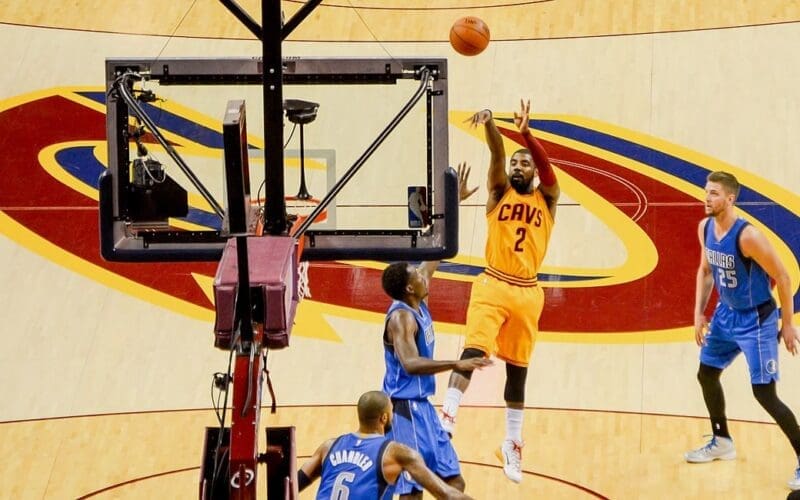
711	211
519	184
387	428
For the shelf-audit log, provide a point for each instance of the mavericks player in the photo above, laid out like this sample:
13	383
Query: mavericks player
739	261
409	380
365	464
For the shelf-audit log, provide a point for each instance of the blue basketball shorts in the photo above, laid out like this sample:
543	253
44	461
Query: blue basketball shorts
416	425
753	332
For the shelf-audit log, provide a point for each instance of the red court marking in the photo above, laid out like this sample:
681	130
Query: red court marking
68	219
661	300
479	464
62	215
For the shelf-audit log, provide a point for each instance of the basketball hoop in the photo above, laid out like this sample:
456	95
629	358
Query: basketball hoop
298	209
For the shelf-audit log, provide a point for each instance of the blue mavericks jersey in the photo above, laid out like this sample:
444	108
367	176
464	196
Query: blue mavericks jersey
353	469
398	384
740	281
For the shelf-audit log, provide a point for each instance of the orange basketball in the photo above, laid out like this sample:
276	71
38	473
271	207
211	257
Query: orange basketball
469	36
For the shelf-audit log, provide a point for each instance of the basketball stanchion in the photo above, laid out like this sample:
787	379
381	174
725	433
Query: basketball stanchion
262	276
278	281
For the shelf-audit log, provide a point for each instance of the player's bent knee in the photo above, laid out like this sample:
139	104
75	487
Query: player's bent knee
766	395
708	374
456	482
469	353
515	383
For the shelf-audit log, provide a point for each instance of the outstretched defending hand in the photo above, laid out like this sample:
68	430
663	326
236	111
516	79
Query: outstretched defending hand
791	338
467	365
464	192
479	118
522	118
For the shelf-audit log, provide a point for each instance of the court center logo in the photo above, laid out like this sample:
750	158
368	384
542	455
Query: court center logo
645	190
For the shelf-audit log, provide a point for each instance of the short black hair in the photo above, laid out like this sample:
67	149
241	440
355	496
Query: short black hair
371	405
394	280
524	151
727	181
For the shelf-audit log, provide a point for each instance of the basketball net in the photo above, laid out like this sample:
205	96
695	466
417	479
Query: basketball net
298	211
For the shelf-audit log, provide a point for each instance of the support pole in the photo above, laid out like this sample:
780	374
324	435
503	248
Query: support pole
302	194
272	70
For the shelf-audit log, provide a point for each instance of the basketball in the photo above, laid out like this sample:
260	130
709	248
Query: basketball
469	36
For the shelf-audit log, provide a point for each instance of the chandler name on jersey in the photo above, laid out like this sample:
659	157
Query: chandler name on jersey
353	469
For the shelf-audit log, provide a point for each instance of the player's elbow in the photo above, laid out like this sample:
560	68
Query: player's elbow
496	184
411	367
782	280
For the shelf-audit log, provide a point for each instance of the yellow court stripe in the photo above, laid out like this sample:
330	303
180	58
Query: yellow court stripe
73	94
54	253
47	159
192	115
21	99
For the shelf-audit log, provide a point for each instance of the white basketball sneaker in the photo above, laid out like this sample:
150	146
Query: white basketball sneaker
719	448
794	483
510	453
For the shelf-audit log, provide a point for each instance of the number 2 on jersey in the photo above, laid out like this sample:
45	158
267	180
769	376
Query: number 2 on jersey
522	232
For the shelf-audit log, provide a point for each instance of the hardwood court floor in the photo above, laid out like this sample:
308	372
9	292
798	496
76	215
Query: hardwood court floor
569	454
106	369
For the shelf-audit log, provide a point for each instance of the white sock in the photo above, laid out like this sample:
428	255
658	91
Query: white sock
452	400
514	424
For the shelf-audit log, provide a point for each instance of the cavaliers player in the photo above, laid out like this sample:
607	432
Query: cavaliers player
740	262
506	301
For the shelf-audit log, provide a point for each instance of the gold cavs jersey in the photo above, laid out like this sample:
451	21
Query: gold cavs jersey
519	229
